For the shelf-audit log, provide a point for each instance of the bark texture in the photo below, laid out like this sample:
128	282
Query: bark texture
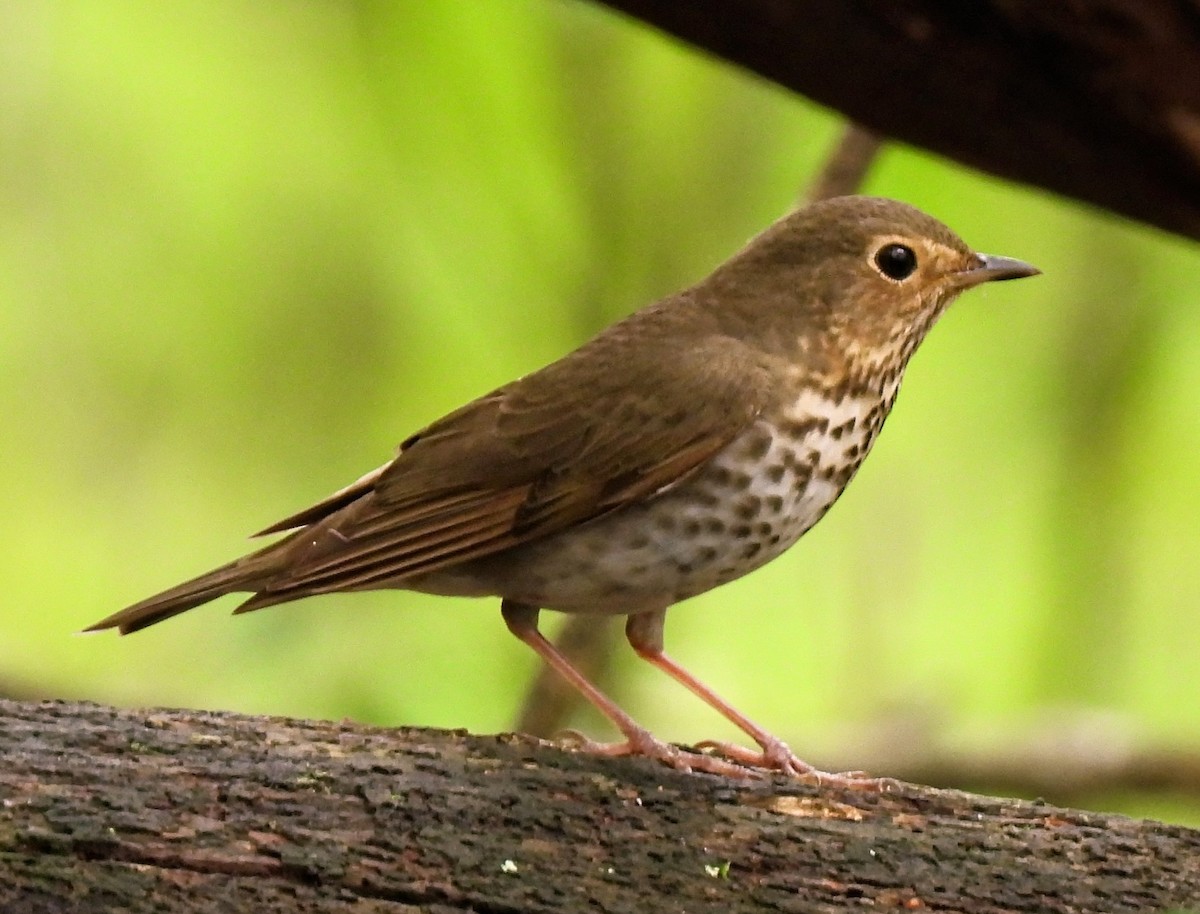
1095	99
171	811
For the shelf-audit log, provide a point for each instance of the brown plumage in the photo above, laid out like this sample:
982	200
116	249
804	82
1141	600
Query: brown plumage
680	448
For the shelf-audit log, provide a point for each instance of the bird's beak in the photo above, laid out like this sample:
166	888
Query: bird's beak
989	268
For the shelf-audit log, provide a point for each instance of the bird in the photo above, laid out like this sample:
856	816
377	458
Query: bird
682	447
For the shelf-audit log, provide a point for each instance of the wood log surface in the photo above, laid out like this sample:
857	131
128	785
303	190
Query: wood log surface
169	811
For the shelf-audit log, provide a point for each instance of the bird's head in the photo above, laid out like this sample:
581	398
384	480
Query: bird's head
862	278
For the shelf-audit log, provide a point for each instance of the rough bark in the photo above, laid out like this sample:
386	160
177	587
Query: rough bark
167	811
1095	99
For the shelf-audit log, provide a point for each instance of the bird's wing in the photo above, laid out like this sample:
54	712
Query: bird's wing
611	425
326	506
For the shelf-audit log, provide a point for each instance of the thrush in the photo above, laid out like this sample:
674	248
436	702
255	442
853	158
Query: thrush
681	448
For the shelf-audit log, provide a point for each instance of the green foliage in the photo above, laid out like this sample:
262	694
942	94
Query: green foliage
246	248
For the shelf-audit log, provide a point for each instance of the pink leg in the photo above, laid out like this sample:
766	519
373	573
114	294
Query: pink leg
645	634
522	621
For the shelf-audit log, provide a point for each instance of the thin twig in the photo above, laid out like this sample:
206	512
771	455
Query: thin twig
847	165
550	701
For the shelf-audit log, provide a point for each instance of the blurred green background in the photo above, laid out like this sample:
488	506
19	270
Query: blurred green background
246	248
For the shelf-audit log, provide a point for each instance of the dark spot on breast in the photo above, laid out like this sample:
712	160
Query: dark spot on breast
765	530
741	481
774	503
799	429
691	527
714	525
748	508
751	550
706	555
838	392
775	473
706	498
639	541
851	452
775	539
665	522
720	475
757	446
741	531
683	567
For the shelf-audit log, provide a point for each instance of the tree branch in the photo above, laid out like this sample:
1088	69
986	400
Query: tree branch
144	811
1095	99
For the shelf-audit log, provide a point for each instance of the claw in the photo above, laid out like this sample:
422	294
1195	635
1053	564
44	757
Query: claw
643	744
776	756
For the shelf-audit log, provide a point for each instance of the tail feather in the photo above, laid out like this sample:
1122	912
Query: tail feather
231	578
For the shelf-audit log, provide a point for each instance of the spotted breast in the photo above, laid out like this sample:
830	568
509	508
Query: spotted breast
755	499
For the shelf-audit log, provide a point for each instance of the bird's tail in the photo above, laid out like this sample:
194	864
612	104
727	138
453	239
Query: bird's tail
241	575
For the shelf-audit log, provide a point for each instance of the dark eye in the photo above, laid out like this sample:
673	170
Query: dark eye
896	261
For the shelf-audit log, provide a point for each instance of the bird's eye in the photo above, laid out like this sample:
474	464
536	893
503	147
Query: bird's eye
896	261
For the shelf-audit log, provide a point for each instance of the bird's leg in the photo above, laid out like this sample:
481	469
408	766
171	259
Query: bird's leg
645	634
522	621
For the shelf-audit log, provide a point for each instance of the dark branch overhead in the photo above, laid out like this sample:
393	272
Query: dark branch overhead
1095	99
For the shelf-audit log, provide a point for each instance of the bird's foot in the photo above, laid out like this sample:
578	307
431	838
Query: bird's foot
776	756
642	743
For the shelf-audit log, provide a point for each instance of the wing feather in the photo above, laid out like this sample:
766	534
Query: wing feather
526	461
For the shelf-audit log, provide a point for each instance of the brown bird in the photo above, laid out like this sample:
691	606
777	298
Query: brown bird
681	448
